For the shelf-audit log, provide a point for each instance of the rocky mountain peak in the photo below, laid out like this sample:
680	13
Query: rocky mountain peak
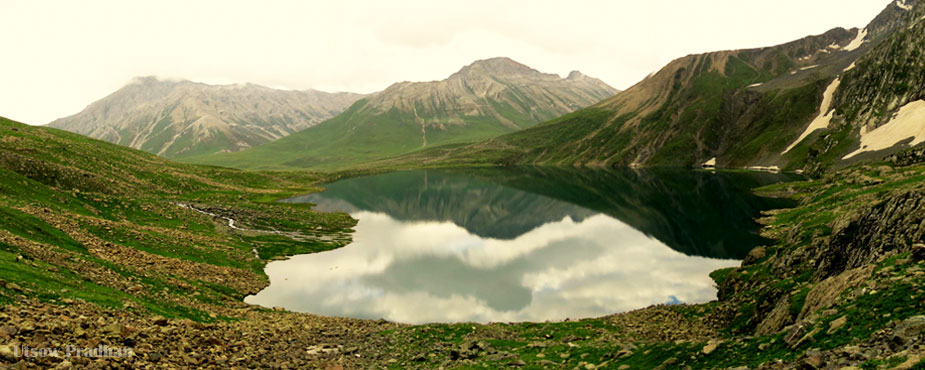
500	66
153	80
575	75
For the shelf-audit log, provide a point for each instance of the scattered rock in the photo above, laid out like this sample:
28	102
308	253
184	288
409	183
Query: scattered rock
7	331
908	330
837	324
918	252
625	352
517	363
754	256
813	359
6	352
113	329
794	334
711	346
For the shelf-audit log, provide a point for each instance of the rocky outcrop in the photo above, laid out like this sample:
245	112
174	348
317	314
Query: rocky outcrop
827	292
892	226
908	157
777	319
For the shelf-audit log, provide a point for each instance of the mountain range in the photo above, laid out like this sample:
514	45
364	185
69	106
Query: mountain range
484	99
177	119
818	102
823	101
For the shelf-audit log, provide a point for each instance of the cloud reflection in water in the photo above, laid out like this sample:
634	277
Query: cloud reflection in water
436	271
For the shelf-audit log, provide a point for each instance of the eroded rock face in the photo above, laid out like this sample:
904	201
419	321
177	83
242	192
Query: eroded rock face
895	225
182	118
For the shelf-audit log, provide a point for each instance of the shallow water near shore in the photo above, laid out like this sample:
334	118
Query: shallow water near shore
490	245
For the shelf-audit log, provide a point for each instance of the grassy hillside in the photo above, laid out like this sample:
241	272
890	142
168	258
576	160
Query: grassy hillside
352	138
95	250
82	219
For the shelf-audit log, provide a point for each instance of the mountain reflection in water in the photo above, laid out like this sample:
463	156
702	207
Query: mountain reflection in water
525	244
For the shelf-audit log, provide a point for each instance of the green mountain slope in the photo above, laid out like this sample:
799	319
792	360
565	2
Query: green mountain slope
81	219
744	107
176	119
485	99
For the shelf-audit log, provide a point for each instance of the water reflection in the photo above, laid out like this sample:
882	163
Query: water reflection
492	245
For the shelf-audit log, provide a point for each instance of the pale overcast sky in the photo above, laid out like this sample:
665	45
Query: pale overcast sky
59	56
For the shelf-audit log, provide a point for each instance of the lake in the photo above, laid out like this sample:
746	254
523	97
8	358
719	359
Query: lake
530	244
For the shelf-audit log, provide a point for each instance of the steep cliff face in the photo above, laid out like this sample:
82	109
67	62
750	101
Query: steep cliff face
483	100
888	78
181	118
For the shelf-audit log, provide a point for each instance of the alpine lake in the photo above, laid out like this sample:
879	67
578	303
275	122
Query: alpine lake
526	244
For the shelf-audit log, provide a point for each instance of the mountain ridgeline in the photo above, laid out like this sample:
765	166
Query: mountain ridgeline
809	104
177	119
483	100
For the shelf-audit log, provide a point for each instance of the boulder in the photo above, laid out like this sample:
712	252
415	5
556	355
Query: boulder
837	324
907	331
826	293
711	346
754	256
777	319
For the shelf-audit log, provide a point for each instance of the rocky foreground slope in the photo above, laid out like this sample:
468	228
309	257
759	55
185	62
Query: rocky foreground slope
100	255
176	119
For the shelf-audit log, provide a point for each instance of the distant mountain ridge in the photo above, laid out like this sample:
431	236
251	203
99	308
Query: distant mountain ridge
484	99
177	119
481	88
806	105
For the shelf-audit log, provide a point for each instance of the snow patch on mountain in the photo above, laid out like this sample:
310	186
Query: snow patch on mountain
908	123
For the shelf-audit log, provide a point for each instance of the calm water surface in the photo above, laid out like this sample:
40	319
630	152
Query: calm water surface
527	244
